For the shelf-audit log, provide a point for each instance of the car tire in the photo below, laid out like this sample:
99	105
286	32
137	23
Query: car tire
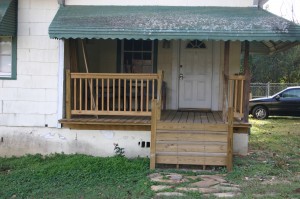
260	112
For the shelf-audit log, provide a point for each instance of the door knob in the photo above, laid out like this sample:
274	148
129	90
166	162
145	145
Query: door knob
181	76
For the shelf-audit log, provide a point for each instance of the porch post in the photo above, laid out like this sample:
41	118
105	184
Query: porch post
68	94
60	84
159	95
225	80
247	82
153	134
229	163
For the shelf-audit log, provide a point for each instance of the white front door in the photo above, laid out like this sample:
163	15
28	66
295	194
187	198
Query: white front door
195	74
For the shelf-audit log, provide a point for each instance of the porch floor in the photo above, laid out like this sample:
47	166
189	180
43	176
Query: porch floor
144	122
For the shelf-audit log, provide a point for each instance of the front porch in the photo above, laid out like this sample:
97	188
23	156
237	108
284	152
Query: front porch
123	101
193	137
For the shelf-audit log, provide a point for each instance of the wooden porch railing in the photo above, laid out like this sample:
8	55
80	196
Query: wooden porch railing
111	93
236	95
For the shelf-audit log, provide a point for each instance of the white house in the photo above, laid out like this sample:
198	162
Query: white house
77	76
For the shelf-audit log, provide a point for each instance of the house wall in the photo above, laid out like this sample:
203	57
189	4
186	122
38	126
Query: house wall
29	105
164	62
16	141
31	100
236	3
101	56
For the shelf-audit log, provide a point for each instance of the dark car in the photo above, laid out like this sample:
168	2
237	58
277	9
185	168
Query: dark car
286	102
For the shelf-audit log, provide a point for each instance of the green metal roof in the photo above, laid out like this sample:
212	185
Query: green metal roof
8	17
160	22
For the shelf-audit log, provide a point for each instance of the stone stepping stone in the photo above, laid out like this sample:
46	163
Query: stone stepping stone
205	183
226	188
225	195
169	194
159	187
200	190
219	178
172	178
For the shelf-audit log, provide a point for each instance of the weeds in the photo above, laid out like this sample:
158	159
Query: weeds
119	152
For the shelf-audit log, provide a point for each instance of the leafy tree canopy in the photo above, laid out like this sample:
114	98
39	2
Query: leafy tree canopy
280	67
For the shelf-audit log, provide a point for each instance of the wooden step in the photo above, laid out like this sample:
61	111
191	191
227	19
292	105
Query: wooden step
180	146
191	160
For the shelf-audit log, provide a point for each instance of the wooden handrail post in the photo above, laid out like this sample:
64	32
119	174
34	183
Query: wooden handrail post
230	140
68	94
153	134
159	92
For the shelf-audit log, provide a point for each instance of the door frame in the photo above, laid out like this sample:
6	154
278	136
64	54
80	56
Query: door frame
208	50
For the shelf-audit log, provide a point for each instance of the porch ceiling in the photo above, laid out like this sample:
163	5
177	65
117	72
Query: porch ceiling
8	17
159	22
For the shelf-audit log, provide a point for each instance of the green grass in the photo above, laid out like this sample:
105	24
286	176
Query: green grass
274	154
74	176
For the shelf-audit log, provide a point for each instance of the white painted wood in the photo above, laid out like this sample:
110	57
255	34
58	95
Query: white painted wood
225	3
216	76
60	86
175	67
195	87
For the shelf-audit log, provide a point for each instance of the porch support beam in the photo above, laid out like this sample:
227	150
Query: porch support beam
225	79
247	82
60	83
68	94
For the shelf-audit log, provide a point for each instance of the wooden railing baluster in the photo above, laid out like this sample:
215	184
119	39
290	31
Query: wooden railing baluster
113	108
130	95
80	94
147	96
107	94
113	93
75	93
91	94
125	96
142	94
97	95
136	97
235	97
153	91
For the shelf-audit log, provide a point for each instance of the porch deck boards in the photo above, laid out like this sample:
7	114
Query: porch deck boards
170	116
